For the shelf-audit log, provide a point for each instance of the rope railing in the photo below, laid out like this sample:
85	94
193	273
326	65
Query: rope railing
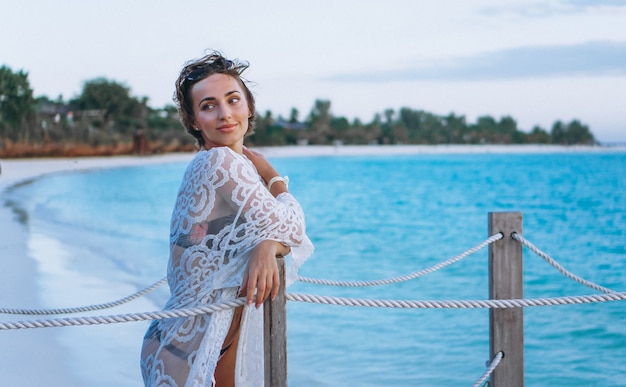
123	318
162	281
325	300
606	296
384	303
556	265
492	366
441	265
88	308
456	304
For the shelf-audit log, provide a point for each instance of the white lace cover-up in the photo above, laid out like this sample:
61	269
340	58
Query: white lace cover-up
223	210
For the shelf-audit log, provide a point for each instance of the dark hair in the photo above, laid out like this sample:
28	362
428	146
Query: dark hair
199	69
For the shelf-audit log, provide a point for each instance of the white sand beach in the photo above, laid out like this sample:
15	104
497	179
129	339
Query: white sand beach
34	357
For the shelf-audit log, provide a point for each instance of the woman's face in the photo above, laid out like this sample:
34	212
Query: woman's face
220	111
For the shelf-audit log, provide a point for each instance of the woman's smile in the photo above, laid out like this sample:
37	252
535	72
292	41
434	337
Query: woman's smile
227	127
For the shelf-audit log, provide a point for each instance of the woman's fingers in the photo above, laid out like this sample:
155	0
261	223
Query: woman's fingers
261	291
261	279
276	285
263	167
262	286
251	289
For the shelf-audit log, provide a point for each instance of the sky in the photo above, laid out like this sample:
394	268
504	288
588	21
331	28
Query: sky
537	61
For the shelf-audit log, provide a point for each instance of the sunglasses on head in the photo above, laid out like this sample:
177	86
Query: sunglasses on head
220	64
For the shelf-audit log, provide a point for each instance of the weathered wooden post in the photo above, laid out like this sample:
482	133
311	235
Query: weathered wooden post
275	335
506	326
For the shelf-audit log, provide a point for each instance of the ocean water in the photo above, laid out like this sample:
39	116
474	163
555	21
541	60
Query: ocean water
101	235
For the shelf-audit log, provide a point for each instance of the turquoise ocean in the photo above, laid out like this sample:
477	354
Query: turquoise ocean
103	234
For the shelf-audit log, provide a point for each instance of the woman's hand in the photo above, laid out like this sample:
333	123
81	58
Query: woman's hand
265	170
261	164
262	272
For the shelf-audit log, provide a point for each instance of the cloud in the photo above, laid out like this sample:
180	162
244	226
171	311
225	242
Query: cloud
599	58
541	9
586	4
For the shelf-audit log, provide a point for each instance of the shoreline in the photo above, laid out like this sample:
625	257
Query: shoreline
87	162
387	150
38	356
21	170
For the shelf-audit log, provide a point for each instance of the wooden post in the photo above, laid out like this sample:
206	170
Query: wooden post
275	335
506	326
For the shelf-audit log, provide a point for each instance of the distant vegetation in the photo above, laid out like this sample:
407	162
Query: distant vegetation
105	119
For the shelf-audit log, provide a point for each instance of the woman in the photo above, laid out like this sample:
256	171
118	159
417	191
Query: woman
233	216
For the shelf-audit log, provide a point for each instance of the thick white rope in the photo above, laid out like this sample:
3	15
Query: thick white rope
409	276
450	304
456	304
609	295
491	367
560	268
123	318
405	304
88	308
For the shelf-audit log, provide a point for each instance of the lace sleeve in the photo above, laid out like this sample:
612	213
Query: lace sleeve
221	183
280	218
224	209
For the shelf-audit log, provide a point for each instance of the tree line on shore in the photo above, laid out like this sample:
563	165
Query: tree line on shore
105	119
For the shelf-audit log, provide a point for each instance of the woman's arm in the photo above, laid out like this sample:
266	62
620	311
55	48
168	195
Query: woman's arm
276	221
262	271
276	215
